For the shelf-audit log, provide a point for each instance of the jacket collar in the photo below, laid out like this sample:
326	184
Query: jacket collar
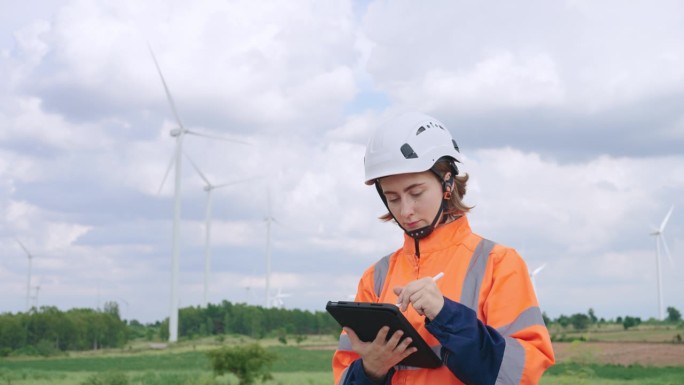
443	236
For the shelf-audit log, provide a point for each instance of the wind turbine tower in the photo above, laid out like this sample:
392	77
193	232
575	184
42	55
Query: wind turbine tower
28	280
660	239
35	298
269	220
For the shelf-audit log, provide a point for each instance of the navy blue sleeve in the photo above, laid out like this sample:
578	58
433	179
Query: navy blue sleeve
470	349
357	376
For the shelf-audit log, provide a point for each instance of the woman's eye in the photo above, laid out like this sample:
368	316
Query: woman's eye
392	200
416	194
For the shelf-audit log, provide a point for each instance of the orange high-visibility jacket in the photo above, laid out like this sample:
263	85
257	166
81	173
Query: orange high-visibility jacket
490	330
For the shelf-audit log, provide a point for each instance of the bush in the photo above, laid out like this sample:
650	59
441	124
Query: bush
630	322
46	348
580	321
247	363
28	350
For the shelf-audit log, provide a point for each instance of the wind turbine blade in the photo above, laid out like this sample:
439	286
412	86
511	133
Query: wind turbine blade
216	137
23	247
168	170
667	217
667	250
197	169
537	270
237	181
166	89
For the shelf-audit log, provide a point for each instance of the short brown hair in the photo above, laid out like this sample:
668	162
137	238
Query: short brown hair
455	207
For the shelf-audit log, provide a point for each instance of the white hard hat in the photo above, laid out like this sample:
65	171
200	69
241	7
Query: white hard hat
411	142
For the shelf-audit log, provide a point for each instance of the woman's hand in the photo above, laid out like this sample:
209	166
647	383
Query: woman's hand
423	294
380	355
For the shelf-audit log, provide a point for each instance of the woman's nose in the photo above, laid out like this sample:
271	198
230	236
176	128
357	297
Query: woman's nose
406	208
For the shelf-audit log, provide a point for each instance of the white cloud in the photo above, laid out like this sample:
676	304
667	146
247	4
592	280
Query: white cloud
501	80
231	59
527	54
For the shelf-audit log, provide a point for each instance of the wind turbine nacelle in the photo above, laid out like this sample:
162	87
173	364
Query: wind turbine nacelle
176	132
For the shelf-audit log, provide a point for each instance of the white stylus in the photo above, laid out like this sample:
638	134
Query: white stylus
434	279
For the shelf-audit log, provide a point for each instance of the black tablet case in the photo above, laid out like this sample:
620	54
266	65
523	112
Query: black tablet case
366	318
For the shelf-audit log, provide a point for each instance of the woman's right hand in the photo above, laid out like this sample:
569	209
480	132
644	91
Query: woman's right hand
380	355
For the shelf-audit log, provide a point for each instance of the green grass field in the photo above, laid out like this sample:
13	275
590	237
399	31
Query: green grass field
187	364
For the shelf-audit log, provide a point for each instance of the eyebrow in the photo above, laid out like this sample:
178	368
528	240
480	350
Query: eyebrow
406	189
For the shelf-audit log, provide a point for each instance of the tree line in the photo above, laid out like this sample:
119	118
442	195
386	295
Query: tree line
582	321
249	320
48	330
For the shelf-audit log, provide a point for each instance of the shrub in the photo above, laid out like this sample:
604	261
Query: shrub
630	322
46	348
247	363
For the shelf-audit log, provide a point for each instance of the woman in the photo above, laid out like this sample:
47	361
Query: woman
482	317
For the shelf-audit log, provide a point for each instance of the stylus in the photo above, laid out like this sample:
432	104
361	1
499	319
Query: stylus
434	279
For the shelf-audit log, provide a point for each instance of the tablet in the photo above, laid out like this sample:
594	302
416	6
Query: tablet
366	319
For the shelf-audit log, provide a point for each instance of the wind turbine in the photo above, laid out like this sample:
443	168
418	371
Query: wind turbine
208	187
268	220
178	133
277	299
28	281
660	239
534	274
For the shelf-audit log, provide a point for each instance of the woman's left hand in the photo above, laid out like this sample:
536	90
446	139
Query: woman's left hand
423	294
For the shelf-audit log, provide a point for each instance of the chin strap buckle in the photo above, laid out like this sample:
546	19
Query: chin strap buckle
447	195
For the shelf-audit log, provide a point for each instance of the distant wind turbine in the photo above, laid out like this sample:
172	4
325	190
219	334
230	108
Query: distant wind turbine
268	220
277	300
533	275
28	280
208	187
660	239
178	133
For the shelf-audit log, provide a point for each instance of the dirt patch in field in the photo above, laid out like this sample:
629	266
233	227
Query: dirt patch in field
621	353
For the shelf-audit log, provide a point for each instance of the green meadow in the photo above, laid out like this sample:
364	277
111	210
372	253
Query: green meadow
186	363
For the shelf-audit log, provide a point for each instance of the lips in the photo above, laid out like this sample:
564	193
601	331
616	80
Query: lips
412	225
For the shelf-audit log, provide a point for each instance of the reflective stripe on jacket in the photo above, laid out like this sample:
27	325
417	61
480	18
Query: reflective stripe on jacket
488	299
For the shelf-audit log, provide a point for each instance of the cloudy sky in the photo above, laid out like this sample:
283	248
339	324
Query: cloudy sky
569	116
